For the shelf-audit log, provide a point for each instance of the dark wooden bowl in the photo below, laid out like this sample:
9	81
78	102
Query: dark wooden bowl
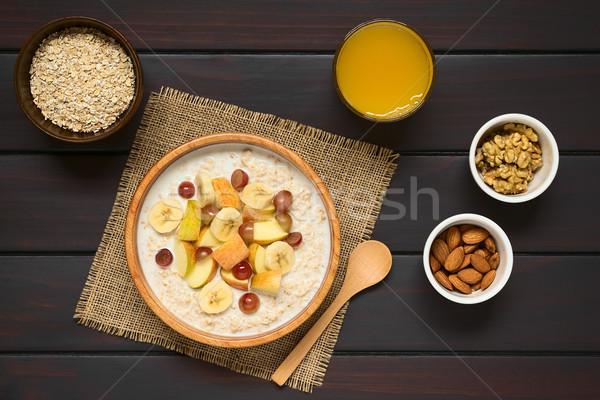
137	271
23	89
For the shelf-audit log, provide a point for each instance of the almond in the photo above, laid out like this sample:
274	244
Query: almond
469	248
460	285
480	253
443	235
465	227
479	263
453	238
434	263
470	276
476	286
494	261
466	261
439	248
487	279
455	259
487	254
489	244
474	235
441	277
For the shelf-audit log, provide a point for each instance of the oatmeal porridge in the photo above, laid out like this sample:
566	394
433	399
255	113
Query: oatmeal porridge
233	239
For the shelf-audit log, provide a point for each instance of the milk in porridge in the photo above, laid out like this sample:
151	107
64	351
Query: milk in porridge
298	287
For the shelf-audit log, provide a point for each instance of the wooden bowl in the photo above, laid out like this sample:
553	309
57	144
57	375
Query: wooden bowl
137	272
22	79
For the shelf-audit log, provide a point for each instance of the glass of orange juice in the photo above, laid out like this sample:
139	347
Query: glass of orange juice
384	70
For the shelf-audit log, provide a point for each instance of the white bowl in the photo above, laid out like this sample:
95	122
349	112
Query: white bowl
503	248
542	177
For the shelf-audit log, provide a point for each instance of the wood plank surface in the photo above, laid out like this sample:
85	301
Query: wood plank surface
470	89
533	313
313	25
364	377
62	202
563	219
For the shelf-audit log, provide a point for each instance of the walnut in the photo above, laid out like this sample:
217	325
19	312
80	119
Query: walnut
509	158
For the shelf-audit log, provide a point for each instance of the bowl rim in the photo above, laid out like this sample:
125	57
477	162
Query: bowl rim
137	271
541	130
498	234
409	28
23	90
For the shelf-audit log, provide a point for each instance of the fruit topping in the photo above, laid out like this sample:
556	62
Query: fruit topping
257	195
246	231
184	254
294	239
225	194
203	252
165	215
285	221
267	282
231	252
215	297
202	272
249	303
279	256
189	229
282	200
206	193
242	270
226	223
208	213
239	179
164	258
186	189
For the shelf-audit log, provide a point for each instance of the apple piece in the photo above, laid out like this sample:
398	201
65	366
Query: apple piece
225	194
232	281
231	252
263	214
256	258
206	238
269	231
190	225
184	257
202	272
267	282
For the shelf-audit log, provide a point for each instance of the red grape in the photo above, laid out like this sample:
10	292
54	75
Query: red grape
242	270
186	189
239	179
282	200
249	303
246	231
202	252
285	221
294	239
164	258
208	213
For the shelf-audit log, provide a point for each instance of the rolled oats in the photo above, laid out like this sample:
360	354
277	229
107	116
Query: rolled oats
81	79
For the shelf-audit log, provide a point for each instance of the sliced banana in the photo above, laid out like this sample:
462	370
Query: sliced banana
215	297
206	193
165	215
226	223
280	255
257	196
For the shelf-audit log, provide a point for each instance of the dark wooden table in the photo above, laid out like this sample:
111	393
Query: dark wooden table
539	338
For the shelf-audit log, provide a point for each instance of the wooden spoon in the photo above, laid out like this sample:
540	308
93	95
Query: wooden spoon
368	264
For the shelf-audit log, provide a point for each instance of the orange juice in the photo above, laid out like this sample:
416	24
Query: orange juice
384	70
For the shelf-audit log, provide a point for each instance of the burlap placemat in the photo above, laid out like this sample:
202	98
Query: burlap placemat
356	174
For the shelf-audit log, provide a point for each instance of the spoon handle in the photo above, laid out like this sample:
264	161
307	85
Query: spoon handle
297	355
